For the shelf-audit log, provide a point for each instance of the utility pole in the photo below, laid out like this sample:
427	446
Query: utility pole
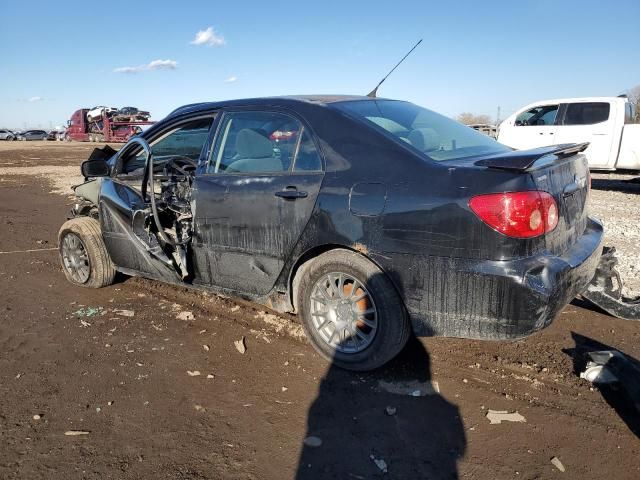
498	116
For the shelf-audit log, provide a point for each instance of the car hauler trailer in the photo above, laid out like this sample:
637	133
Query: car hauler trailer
103	129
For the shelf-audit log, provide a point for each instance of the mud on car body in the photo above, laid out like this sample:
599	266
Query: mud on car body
367	217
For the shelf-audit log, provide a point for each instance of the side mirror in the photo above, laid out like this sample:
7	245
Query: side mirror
94	168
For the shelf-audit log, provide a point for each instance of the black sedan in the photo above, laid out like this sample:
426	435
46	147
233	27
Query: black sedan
371	218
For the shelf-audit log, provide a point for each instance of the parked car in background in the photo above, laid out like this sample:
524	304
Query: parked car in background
131	113
95	113
7	135
367	217
607	123
54	135
32	135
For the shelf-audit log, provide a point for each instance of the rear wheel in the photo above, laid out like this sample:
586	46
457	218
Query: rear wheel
351	311
83	254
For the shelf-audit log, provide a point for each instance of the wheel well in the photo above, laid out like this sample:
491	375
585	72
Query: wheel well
305	260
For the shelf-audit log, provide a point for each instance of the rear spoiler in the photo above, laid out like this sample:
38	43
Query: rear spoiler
523	160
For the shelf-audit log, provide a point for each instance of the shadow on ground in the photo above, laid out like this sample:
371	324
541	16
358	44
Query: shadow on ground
631	185
616	395
420	435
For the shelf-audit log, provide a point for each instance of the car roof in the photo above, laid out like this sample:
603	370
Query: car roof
280	101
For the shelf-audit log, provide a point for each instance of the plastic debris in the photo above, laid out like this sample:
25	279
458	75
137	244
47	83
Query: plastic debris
125	313
391	411
499	416
75	433
312	441
193	373
88	312
240	345
380	463
558	464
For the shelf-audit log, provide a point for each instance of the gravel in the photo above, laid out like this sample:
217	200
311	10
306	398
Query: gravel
615	200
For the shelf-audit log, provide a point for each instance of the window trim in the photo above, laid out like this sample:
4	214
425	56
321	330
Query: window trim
203	165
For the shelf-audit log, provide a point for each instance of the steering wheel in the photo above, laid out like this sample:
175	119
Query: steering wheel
182	165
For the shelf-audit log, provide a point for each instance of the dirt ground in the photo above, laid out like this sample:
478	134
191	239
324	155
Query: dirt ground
156	392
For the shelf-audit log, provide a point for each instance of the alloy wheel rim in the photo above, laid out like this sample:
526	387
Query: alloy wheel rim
75	258
343	312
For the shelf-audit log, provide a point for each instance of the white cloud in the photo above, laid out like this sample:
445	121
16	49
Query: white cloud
231	79
34	99
208	37
154	65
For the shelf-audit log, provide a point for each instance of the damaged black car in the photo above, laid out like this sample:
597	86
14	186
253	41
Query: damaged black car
370	218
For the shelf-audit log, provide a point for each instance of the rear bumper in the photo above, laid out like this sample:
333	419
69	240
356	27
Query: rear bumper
489	299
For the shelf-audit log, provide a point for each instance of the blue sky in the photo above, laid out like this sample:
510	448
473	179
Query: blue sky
476	56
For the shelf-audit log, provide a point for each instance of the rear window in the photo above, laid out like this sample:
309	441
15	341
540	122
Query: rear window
434	135
587	113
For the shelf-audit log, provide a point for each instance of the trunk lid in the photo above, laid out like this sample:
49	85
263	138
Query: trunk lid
562	171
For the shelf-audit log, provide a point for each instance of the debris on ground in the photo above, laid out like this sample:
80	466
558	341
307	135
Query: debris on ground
88	312
210	376
75	433
235	309
413	388
391	411
193	373
240	345
312	441
125	313
499	416
185	316
558	464
37	417
200	408
380	463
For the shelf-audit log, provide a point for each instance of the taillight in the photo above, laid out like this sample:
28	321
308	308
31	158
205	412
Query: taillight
517	214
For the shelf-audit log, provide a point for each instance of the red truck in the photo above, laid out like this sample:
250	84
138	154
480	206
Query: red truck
102	129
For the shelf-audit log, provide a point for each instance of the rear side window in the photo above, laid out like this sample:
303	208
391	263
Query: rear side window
537	116
262	142
587	113
437	137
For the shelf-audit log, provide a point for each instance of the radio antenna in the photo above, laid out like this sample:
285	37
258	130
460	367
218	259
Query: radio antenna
373	92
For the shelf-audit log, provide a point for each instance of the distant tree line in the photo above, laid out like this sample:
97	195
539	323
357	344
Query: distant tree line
634	97
471	119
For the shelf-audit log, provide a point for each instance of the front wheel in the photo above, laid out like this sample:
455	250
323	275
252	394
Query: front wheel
351	312
83	254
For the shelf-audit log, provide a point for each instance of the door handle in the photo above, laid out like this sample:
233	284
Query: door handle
291	194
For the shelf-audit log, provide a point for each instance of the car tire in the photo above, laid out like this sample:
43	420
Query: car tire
83	254
385	331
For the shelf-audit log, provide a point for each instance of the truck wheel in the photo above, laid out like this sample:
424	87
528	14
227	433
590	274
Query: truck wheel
351	312
83	254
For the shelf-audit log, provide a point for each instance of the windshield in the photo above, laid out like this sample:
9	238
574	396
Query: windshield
435	135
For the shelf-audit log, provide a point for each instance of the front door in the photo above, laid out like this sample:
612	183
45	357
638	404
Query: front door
593	122
534	127
253	198
125	216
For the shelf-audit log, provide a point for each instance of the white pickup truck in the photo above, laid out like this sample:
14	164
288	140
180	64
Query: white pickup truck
607	123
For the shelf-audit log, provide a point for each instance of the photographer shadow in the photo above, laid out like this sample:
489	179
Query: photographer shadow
391	422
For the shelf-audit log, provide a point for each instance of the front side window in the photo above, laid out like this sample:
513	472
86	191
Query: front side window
436	136
262	142
185	141
536	116
587	113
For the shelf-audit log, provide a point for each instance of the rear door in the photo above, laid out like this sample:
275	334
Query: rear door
531	128
596	123
253	198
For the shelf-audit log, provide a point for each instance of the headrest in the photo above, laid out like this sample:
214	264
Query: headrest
424	139
251	144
